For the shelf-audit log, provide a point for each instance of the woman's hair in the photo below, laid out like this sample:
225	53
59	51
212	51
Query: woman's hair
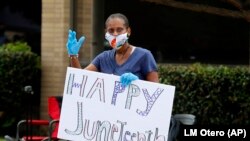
120	16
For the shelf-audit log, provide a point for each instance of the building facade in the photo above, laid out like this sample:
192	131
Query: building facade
188	32
58	16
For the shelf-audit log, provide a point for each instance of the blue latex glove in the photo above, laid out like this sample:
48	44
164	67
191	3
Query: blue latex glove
73	46
127	78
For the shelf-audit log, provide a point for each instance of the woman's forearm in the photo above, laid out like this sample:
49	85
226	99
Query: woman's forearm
74	62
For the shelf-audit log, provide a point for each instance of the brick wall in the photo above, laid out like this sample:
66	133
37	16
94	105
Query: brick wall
55	24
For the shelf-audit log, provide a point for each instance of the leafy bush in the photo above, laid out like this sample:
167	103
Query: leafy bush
19	67
16	47
218	95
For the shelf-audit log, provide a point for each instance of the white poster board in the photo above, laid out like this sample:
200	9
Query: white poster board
96	107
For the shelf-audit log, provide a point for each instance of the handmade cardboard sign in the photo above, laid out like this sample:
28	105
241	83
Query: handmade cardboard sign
96	107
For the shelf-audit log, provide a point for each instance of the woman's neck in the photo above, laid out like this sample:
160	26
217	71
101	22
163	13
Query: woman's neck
123	50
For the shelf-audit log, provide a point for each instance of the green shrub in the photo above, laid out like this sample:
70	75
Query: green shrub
16	47
218	95
19	67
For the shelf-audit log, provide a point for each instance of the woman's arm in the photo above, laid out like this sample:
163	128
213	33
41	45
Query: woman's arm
74	62
91	67
153	77
73	46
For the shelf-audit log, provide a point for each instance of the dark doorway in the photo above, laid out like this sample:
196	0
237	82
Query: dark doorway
21	20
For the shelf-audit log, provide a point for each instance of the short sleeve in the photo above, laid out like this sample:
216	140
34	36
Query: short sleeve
97	61
149	64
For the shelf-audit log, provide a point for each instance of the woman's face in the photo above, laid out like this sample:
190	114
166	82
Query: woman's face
116	27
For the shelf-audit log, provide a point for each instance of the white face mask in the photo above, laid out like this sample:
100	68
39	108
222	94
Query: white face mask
116	41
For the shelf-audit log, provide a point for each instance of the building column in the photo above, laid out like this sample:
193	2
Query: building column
56	21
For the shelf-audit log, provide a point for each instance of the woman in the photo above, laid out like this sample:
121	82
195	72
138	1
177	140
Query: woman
124	59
